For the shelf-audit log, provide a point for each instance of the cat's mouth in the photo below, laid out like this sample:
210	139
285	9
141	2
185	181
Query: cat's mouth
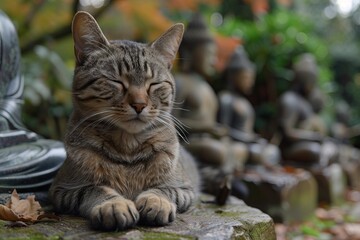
137	118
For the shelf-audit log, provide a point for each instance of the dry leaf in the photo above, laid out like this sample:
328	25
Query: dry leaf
24	210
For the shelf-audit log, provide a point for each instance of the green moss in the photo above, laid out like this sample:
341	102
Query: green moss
22	233
239	233
35	236
164	236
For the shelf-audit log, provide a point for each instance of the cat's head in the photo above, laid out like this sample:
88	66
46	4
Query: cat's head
123	83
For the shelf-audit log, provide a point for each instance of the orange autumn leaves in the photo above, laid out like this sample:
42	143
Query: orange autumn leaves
25	210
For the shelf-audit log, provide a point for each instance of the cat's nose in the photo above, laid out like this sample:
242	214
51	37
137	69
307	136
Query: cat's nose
138	107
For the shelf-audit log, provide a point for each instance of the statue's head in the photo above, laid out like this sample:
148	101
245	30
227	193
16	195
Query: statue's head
10	81
343	112
240	71
305	73
198	49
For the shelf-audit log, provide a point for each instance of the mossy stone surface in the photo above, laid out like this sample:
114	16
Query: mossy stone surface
235	220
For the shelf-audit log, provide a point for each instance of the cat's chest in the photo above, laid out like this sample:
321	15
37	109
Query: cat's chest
131	180
131	164
126	148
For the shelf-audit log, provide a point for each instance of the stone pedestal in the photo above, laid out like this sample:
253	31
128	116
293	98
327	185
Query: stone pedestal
206	221
30	166
286	196
331	182
350	163
353	176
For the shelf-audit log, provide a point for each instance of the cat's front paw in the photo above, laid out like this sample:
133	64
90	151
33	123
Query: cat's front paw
155	210
115	214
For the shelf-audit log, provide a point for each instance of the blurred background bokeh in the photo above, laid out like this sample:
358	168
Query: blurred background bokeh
273	33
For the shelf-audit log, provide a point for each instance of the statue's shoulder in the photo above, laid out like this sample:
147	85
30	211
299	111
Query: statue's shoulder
225	95
289	98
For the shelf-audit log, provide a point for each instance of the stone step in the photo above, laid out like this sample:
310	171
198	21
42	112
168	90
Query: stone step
206	221
287	197
331	182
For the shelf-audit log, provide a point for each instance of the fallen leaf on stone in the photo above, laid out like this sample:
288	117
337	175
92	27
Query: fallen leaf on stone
25	210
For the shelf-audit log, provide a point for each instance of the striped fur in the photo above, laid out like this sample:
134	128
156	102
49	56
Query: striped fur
124	162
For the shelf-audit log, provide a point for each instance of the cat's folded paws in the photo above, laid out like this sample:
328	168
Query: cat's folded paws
155	210
114	214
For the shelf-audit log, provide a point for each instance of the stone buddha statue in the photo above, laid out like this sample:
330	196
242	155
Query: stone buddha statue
342	131
316	123
220	157
300	145
238	114
341	128
27	162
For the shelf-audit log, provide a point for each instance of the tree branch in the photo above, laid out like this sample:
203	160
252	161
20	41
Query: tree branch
62	31
76	6
32	13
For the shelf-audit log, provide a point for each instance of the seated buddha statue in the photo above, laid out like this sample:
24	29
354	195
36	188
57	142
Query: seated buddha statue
27	162
238	114
303	146
196	107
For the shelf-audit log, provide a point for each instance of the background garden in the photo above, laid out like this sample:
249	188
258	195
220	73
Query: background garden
274	33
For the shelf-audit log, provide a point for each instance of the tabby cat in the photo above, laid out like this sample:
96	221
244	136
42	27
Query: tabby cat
124	162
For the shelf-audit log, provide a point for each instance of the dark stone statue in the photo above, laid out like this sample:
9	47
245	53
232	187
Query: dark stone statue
342	131
27	162
316	122
303	144
219	156
238	114
269	185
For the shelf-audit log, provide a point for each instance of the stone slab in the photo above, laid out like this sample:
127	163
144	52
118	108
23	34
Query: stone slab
206	221
288	197
331	182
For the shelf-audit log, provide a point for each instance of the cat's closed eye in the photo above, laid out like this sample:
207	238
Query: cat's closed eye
118	84
155	83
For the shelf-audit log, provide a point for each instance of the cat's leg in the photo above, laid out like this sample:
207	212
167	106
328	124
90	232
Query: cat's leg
103	206
159	206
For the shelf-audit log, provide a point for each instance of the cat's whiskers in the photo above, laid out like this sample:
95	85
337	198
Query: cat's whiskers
169	126
176	121
105	120
87	118
180	128
174	103
96	122
177	103
181	109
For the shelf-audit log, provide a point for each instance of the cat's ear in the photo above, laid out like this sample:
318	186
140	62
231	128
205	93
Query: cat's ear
168	43
87	36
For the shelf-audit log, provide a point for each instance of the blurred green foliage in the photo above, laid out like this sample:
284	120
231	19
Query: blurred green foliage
272	40
47	92
273	43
